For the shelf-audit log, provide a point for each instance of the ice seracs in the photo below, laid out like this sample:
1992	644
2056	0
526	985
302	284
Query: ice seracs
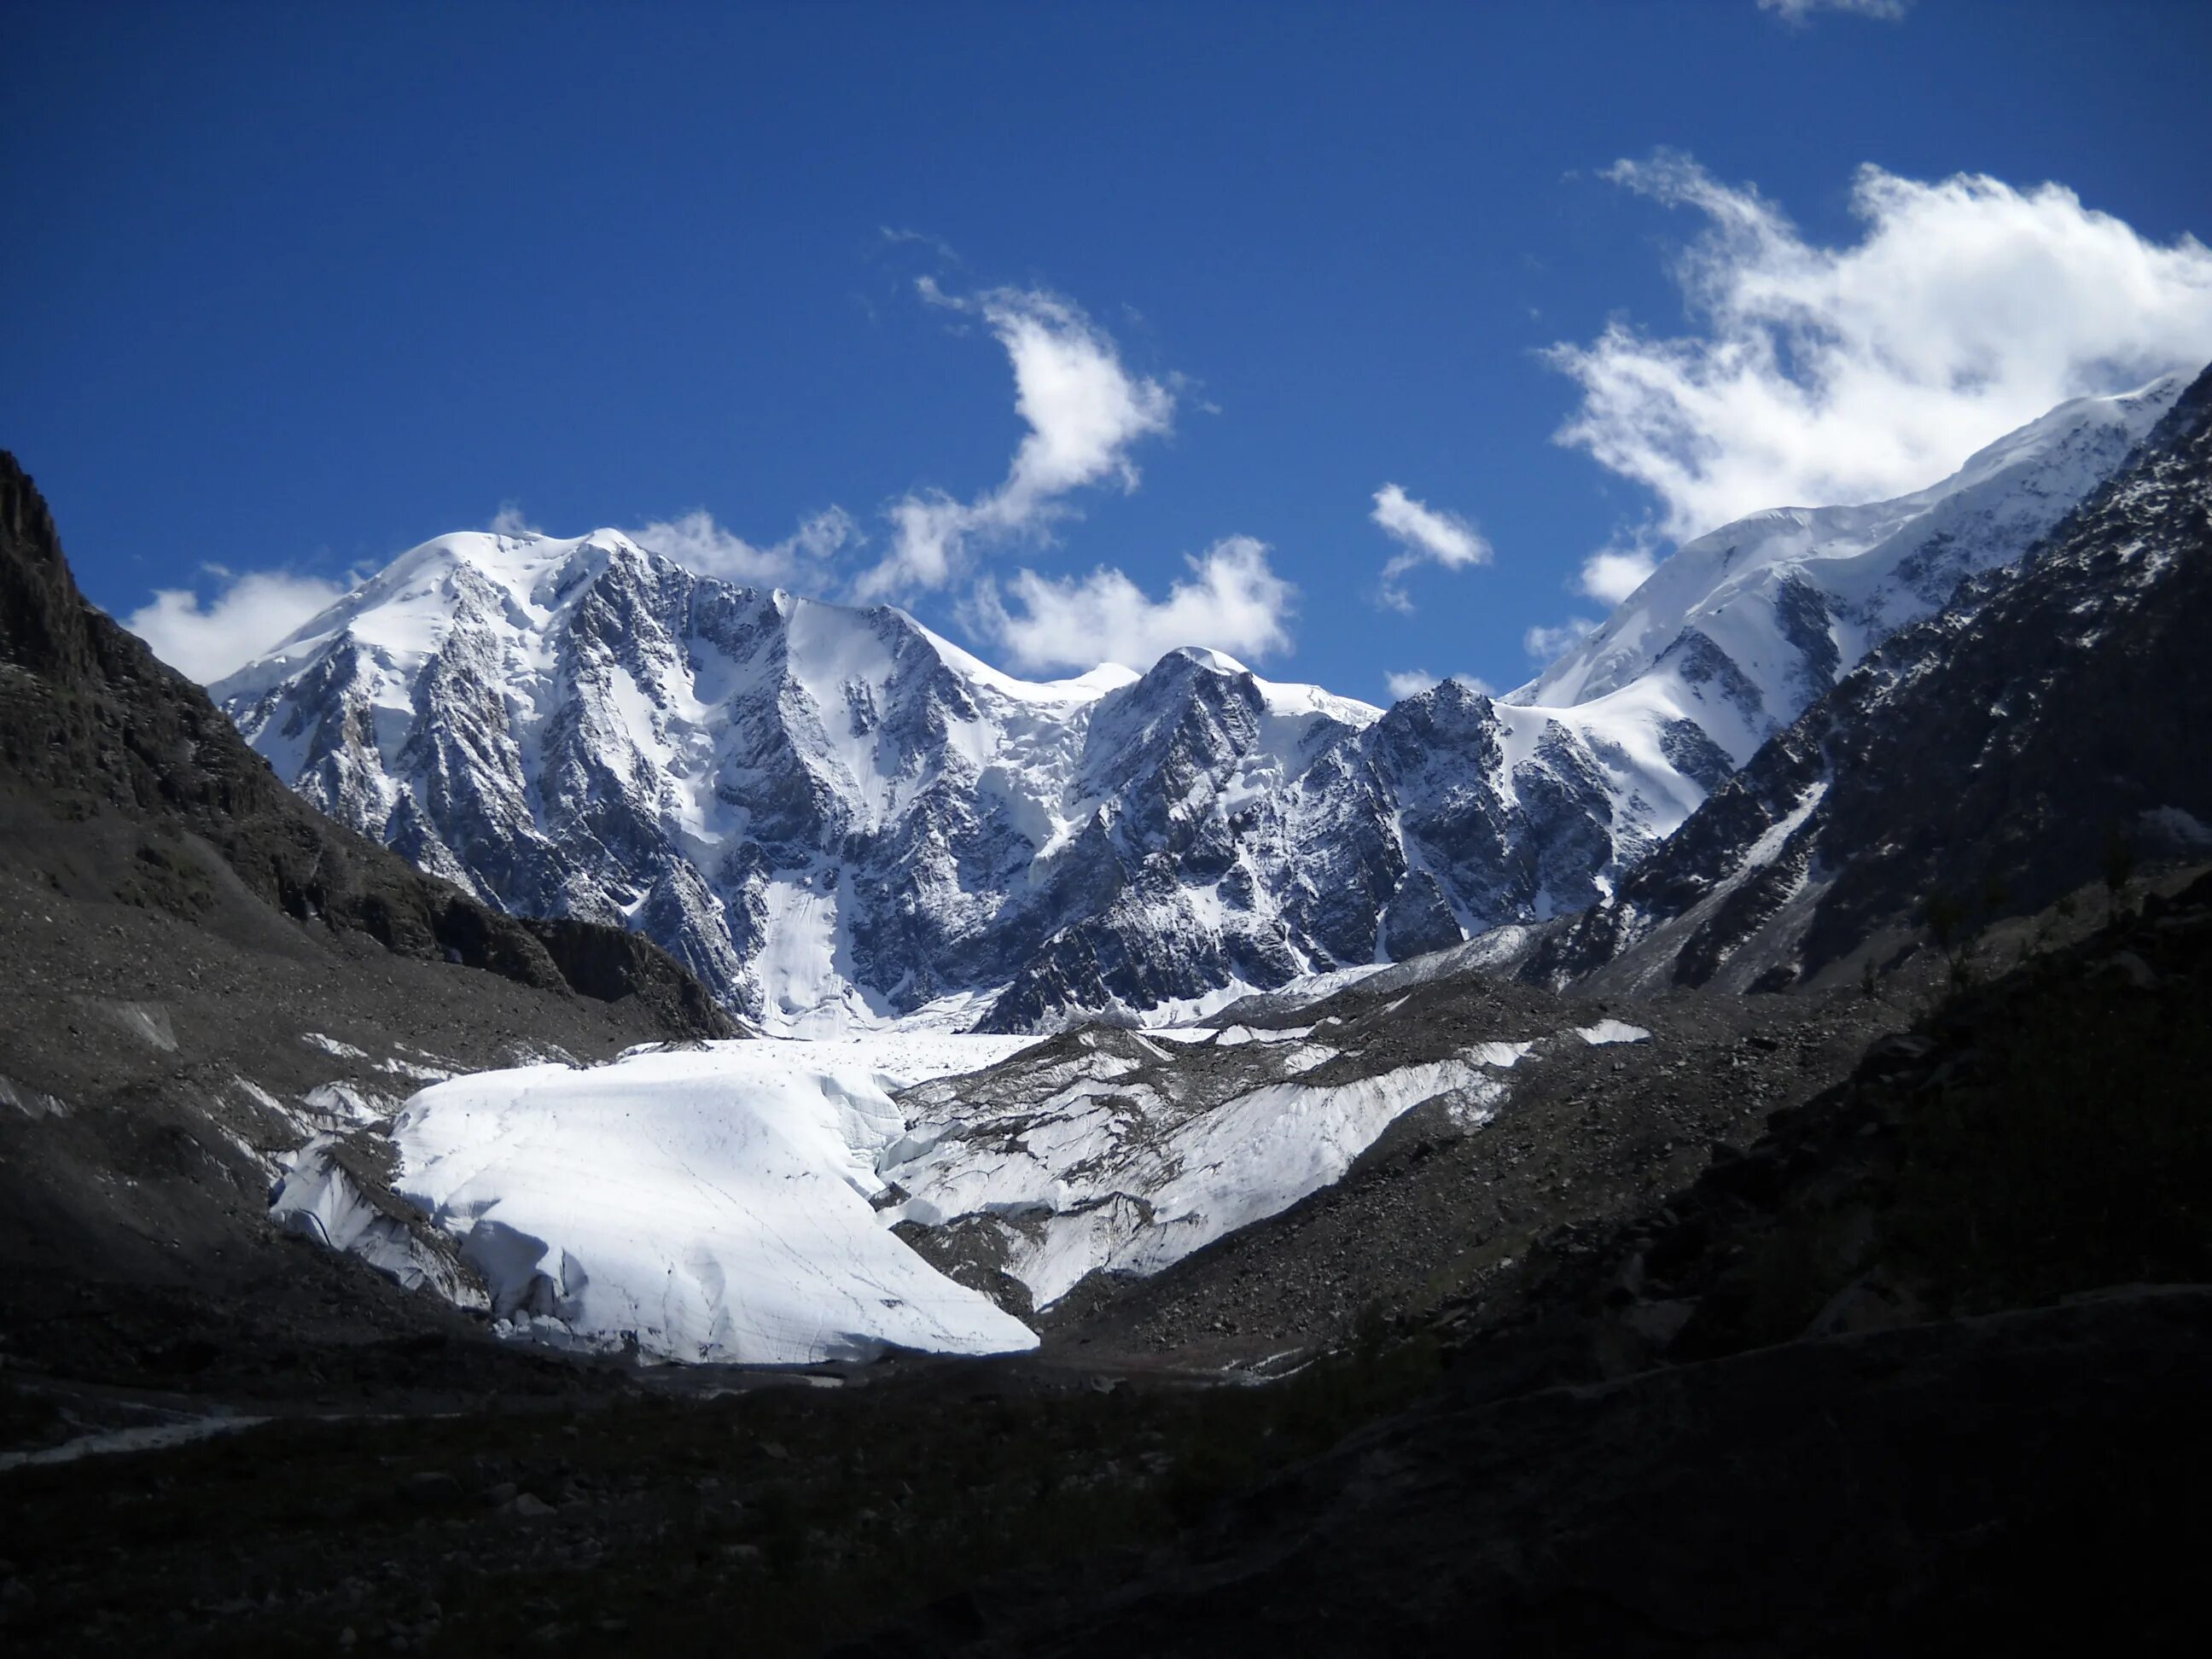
1115	1152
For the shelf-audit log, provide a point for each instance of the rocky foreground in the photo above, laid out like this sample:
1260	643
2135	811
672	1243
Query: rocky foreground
1826	1395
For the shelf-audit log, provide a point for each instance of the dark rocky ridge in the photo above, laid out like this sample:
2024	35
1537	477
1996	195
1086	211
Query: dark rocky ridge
1991	754
91	725
193	954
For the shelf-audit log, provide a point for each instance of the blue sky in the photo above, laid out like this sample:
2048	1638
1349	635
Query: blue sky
289	290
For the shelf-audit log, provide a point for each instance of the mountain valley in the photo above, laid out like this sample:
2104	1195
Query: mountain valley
662	1108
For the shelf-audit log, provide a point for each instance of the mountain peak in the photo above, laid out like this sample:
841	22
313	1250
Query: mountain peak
1874	567
1218	662
835	816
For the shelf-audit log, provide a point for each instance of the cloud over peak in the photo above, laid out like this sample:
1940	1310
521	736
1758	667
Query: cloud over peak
205	640
1611	574
1233	601
1822	374
1414	681
694	539
1545	646
1427	535
1085	411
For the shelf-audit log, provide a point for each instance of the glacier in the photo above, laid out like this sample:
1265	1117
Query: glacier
706	1204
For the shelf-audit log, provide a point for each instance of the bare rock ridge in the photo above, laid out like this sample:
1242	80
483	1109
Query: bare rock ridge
1991	757
93	723
832	816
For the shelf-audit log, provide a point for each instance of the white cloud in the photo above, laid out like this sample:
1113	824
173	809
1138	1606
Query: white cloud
1233	602
1832	374
696	541
1545	645
1414	681
1428	535
901	236
1410	683
1085	412
1801	11
508	521
254	612
1611	574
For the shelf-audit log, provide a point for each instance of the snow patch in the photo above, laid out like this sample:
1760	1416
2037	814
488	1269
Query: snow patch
1610	1032
30	1103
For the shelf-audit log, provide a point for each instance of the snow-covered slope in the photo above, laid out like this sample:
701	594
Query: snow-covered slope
836	819
1745	627
708	1204
1987	753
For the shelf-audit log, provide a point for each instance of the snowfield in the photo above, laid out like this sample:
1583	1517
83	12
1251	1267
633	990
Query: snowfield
734	1202
710	1204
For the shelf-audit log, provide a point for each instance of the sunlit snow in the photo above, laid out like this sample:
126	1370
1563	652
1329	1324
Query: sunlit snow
708	1203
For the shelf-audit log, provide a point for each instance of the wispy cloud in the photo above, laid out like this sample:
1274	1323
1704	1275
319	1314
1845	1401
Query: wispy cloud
1414	681
1546	645
1428	536
695	540
1085	412
1832	374
207	639
1800	12
509	521
901	236
1233	602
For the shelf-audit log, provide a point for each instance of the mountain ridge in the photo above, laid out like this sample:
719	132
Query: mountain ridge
1990	758
834	817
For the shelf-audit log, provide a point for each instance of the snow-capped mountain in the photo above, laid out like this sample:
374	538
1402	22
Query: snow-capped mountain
831	815
1744	627
835	818
1987	754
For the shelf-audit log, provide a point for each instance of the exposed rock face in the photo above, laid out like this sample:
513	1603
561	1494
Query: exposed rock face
91	724
831	815
1992	753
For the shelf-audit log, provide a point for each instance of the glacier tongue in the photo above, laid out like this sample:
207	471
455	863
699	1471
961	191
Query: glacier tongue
1108	1151
710	1204
734	1202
